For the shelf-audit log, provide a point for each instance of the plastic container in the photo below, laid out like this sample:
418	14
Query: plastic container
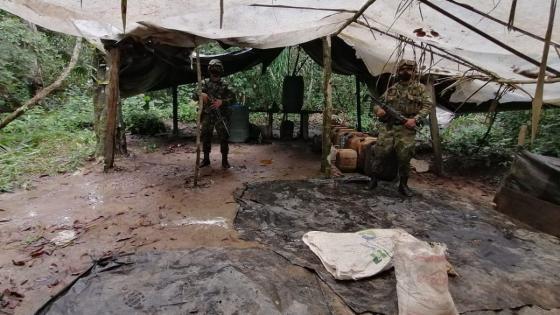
239	123
292	94
346	160
364	143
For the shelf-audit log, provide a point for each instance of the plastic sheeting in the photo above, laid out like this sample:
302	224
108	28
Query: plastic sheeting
200	281
161	66
530	192
257	24
501	265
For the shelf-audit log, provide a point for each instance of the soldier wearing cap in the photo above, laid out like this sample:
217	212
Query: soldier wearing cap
216	97
410	98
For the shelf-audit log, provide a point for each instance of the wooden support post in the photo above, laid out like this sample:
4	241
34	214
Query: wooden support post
175	111
522	135
358	105
327	107
120	142
100	101
434	130
269	127
304	125
538	100
200	105
112	107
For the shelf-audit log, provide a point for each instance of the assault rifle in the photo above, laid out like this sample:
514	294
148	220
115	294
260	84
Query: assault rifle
218	113
394	115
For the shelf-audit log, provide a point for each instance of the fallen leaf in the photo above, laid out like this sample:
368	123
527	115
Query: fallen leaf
266	162
37	252
12	293
18	262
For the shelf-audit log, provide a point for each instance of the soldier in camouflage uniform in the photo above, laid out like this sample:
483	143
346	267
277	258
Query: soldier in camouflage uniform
216	97
410	98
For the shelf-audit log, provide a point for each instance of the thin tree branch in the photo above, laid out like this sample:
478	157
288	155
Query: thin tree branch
46	91
355	17
488	16
300	8
488	37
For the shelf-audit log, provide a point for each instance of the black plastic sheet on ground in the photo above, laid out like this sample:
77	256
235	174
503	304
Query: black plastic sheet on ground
201	281
530	192
501	266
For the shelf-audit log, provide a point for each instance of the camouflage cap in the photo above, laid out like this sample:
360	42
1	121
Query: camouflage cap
215	63
407	64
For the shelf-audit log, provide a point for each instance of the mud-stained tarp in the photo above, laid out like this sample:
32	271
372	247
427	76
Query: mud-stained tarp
201	281
501	266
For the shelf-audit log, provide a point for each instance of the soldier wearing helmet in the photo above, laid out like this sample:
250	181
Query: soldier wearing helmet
216	97
409	97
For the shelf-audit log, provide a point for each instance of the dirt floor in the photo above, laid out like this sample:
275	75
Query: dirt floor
52	232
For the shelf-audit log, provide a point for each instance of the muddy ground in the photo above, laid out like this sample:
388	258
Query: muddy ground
50	233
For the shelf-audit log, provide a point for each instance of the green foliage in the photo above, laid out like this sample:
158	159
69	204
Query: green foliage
548	138
465	134
145	114
44	142
31	57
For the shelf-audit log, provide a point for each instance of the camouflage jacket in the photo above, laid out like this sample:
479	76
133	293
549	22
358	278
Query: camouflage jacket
412	99
218	90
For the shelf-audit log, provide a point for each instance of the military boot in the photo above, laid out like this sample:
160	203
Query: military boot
206	160
206	149
403	187
372	182
225	163
224	148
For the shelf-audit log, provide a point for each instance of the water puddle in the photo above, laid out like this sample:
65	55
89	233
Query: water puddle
218	221
64	237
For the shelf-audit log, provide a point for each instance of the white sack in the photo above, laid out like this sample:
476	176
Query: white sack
422	283
355	255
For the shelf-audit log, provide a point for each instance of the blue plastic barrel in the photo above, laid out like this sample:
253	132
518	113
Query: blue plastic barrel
239	123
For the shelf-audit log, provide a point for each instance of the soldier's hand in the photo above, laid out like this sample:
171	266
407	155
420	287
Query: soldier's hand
204	98
217	103
410	123
380	112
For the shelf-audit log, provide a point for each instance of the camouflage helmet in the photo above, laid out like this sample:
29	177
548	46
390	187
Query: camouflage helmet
407	64
216	63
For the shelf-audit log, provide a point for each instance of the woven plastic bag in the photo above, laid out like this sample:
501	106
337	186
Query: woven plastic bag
422	283
355	255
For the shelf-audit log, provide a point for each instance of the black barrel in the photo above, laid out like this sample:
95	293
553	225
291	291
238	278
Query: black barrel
292	94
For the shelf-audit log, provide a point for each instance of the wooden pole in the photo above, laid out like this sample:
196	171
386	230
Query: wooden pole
434	131
538	100
175	111
522	135
200	105
327	106
358	105
100	101
112	104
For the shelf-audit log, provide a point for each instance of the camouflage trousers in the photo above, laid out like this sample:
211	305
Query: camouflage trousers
210	121
397	138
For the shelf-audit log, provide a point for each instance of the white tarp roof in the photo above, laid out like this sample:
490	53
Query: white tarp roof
270	23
